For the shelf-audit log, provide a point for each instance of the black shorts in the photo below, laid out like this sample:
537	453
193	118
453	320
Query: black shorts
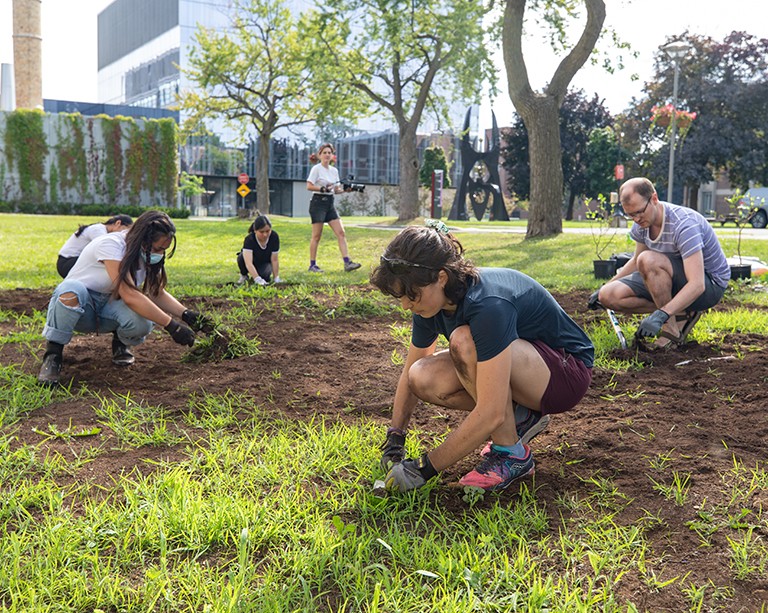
713	293
321	209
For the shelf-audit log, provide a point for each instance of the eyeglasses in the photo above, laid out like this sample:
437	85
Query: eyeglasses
399	267
639	213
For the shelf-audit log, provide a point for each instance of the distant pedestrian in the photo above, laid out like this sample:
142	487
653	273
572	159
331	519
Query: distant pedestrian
75	244
324	182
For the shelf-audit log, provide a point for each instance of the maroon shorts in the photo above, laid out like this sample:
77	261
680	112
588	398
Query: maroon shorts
568	382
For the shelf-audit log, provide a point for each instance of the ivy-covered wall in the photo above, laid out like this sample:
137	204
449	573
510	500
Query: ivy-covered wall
58	163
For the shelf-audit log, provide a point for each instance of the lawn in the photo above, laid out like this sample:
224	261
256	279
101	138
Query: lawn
246	484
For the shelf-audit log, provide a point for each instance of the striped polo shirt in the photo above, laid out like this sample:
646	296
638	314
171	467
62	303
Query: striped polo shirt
683	233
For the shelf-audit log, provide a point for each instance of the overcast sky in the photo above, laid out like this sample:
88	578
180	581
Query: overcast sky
69	45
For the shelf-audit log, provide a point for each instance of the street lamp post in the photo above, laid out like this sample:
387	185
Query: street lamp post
676	51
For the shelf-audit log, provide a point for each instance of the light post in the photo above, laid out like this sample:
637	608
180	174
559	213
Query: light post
676	51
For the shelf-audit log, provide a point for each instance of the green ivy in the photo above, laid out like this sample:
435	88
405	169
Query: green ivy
71	154
53	184
169	159
113	164
26	148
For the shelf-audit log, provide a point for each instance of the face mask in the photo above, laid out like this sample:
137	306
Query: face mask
156	258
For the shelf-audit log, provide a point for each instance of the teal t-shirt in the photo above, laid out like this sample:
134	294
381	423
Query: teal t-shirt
502	306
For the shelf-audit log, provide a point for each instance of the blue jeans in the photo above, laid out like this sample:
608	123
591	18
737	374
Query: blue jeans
95	312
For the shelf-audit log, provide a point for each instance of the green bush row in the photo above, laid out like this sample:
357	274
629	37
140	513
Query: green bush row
98	210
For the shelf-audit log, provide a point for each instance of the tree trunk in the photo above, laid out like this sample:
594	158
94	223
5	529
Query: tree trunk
409	175
541	111
543	125
693	197
262	176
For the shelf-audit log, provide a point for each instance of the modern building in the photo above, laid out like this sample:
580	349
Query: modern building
141	46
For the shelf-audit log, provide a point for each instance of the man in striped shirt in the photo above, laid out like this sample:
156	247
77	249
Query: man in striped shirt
678	265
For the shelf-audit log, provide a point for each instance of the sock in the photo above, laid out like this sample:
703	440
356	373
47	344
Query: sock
516	451
313	262
52	347
347	260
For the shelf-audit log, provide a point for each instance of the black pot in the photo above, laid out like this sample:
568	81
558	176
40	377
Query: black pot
741	271
604	269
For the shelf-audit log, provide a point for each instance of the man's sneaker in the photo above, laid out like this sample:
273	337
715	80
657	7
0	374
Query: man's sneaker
315	268
535	424
121	355
50	370
350	266
499	469
242	280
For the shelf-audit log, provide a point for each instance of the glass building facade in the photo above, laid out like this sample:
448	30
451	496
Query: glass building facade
142	43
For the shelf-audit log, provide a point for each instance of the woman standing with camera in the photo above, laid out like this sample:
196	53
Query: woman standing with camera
323	182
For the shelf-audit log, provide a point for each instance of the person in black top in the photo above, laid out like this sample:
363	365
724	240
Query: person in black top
258	260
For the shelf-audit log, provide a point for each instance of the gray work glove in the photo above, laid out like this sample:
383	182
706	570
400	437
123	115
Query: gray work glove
393	449
651	325
410	474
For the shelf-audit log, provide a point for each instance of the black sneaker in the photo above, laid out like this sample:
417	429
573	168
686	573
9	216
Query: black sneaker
50	370
121	355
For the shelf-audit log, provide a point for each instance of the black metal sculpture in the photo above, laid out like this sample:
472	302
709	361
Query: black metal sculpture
480	179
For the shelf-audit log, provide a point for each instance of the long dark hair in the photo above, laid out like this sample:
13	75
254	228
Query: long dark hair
428	251
259	223
150	227
123	219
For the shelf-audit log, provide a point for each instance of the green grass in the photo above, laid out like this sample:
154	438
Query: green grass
262	514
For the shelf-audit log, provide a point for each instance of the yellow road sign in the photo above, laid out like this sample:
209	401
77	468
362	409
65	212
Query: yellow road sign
243	190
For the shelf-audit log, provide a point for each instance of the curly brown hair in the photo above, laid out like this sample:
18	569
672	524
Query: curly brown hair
414	259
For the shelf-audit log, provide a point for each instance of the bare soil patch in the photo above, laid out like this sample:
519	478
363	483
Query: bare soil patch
703	405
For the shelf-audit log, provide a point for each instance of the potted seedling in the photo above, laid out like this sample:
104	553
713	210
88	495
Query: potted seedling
599	216
740	209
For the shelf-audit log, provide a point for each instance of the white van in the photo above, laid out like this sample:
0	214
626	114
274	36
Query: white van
758	197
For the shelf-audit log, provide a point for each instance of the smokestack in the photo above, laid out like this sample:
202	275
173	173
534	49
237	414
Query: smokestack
28	53
7	97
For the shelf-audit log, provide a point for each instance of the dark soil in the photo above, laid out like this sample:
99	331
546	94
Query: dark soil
704	405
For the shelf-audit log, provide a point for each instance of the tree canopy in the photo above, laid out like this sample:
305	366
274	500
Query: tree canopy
726	84
268	71
408	58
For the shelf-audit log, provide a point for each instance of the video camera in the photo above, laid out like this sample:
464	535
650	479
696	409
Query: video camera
349	186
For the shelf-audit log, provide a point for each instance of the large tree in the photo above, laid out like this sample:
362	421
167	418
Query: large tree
540	110
409	57
267	72
578	118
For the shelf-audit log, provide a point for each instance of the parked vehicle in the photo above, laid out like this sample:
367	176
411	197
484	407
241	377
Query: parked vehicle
757	198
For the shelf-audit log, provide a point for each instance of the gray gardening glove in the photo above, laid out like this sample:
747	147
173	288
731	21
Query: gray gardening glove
410	474
651	325
393	449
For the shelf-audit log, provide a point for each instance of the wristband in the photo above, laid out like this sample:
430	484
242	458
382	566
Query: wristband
425	467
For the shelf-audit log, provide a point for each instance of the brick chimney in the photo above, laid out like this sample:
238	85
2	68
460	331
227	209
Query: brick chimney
27	54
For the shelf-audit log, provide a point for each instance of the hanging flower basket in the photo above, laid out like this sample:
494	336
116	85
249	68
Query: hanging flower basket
662	116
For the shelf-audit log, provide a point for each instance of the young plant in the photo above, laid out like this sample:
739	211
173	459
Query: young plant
599	216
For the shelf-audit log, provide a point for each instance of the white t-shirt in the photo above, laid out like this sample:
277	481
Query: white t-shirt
89	268
75	244
322	176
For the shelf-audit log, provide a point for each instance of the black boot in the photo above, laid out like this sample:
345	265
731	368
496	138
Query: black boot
51	368
121	355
